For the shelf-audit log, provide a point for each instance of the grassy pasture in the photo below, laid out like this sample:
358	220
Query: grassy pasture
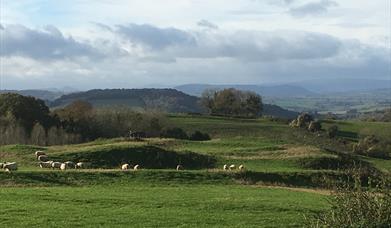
157	205
201	196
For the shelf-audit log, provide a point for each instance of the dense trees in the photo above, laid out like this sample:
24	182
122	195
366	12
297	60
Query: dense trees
232	102
27	111
27	120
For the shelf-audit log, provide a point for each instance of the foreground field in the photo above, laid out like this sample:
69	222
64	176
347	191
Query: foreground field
139	202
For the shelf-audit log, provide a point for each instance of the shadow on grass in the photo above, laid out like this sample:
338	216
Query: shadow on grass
147	157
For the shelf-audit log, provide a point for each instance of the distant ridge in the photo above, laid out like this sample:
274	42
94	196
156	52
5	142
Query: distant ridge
45	95
168	100
268	91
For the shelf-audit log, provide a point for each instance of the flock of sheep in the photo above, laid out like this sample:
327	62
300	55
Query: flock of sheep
233	167
45	163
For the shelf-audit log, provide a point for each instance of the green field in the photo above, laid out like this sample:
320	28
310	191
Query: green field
159	196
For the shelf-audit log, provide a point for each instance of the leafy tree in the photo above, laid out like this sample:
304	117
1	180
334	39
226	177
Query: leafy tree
26	110
232	102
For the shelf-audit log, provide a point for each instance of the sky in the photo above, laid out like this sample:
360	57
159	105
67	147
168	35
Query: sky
85	44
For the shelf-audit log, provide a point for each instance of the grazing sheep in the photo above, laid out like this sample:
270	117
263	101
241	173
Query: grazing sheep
125	167
56	165
136	167
225	167
10	166
179	167
47	164
241	167
232	167
43	158
70	165
39	153
63	166
80	165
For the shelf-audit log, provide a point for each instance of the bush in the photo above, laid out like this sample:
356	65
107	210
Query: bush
332	131
176	133
199	136
357	207
372	147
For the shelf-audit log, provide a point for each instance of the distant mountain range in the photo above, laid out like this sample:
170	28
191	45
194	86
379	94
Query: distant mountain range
269	91
45	95
310	88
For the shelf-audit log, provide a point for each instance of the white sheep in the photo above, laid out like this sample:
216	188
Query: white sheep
10	166
43	158
70	164
125	167
136	167
179	167
39	153
47	164
232	167
80	165
241	167
56	165
63	166
225	167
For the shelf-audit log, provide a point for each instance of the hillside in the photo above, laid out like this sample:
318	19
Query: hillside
168	100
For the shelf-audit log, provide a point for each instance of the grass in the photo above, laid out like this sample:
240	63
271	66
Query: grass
142	205
201	196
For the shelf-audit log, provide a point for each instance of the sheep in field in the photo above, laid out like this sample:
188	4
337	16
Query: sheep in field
241	167
10	166
125	167
136	167
63	166
56	165
232	167
43	158
70	165
39	153
80	165
47	164
225	167
179	167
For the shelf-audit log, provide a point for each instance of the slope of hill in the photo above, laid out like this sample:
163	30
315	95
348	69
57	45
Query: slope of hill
268	91
168	100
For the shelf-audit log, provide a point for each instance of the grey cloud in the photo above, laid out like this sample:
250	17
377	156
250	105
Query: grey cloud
207	24
46	44
170	43
312	8
154	37
261	46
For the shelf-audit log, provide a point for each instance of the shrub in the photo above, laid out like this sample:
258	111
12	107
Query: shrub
357	207
176	133
372	147
332	131
199	136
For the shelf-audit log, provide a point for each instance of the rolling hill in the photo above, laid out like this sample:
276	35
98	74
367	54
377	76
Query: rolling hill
167	100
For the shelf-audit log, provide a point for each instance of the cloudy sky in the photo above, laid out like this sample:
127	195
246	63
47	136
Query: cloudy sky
142	43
